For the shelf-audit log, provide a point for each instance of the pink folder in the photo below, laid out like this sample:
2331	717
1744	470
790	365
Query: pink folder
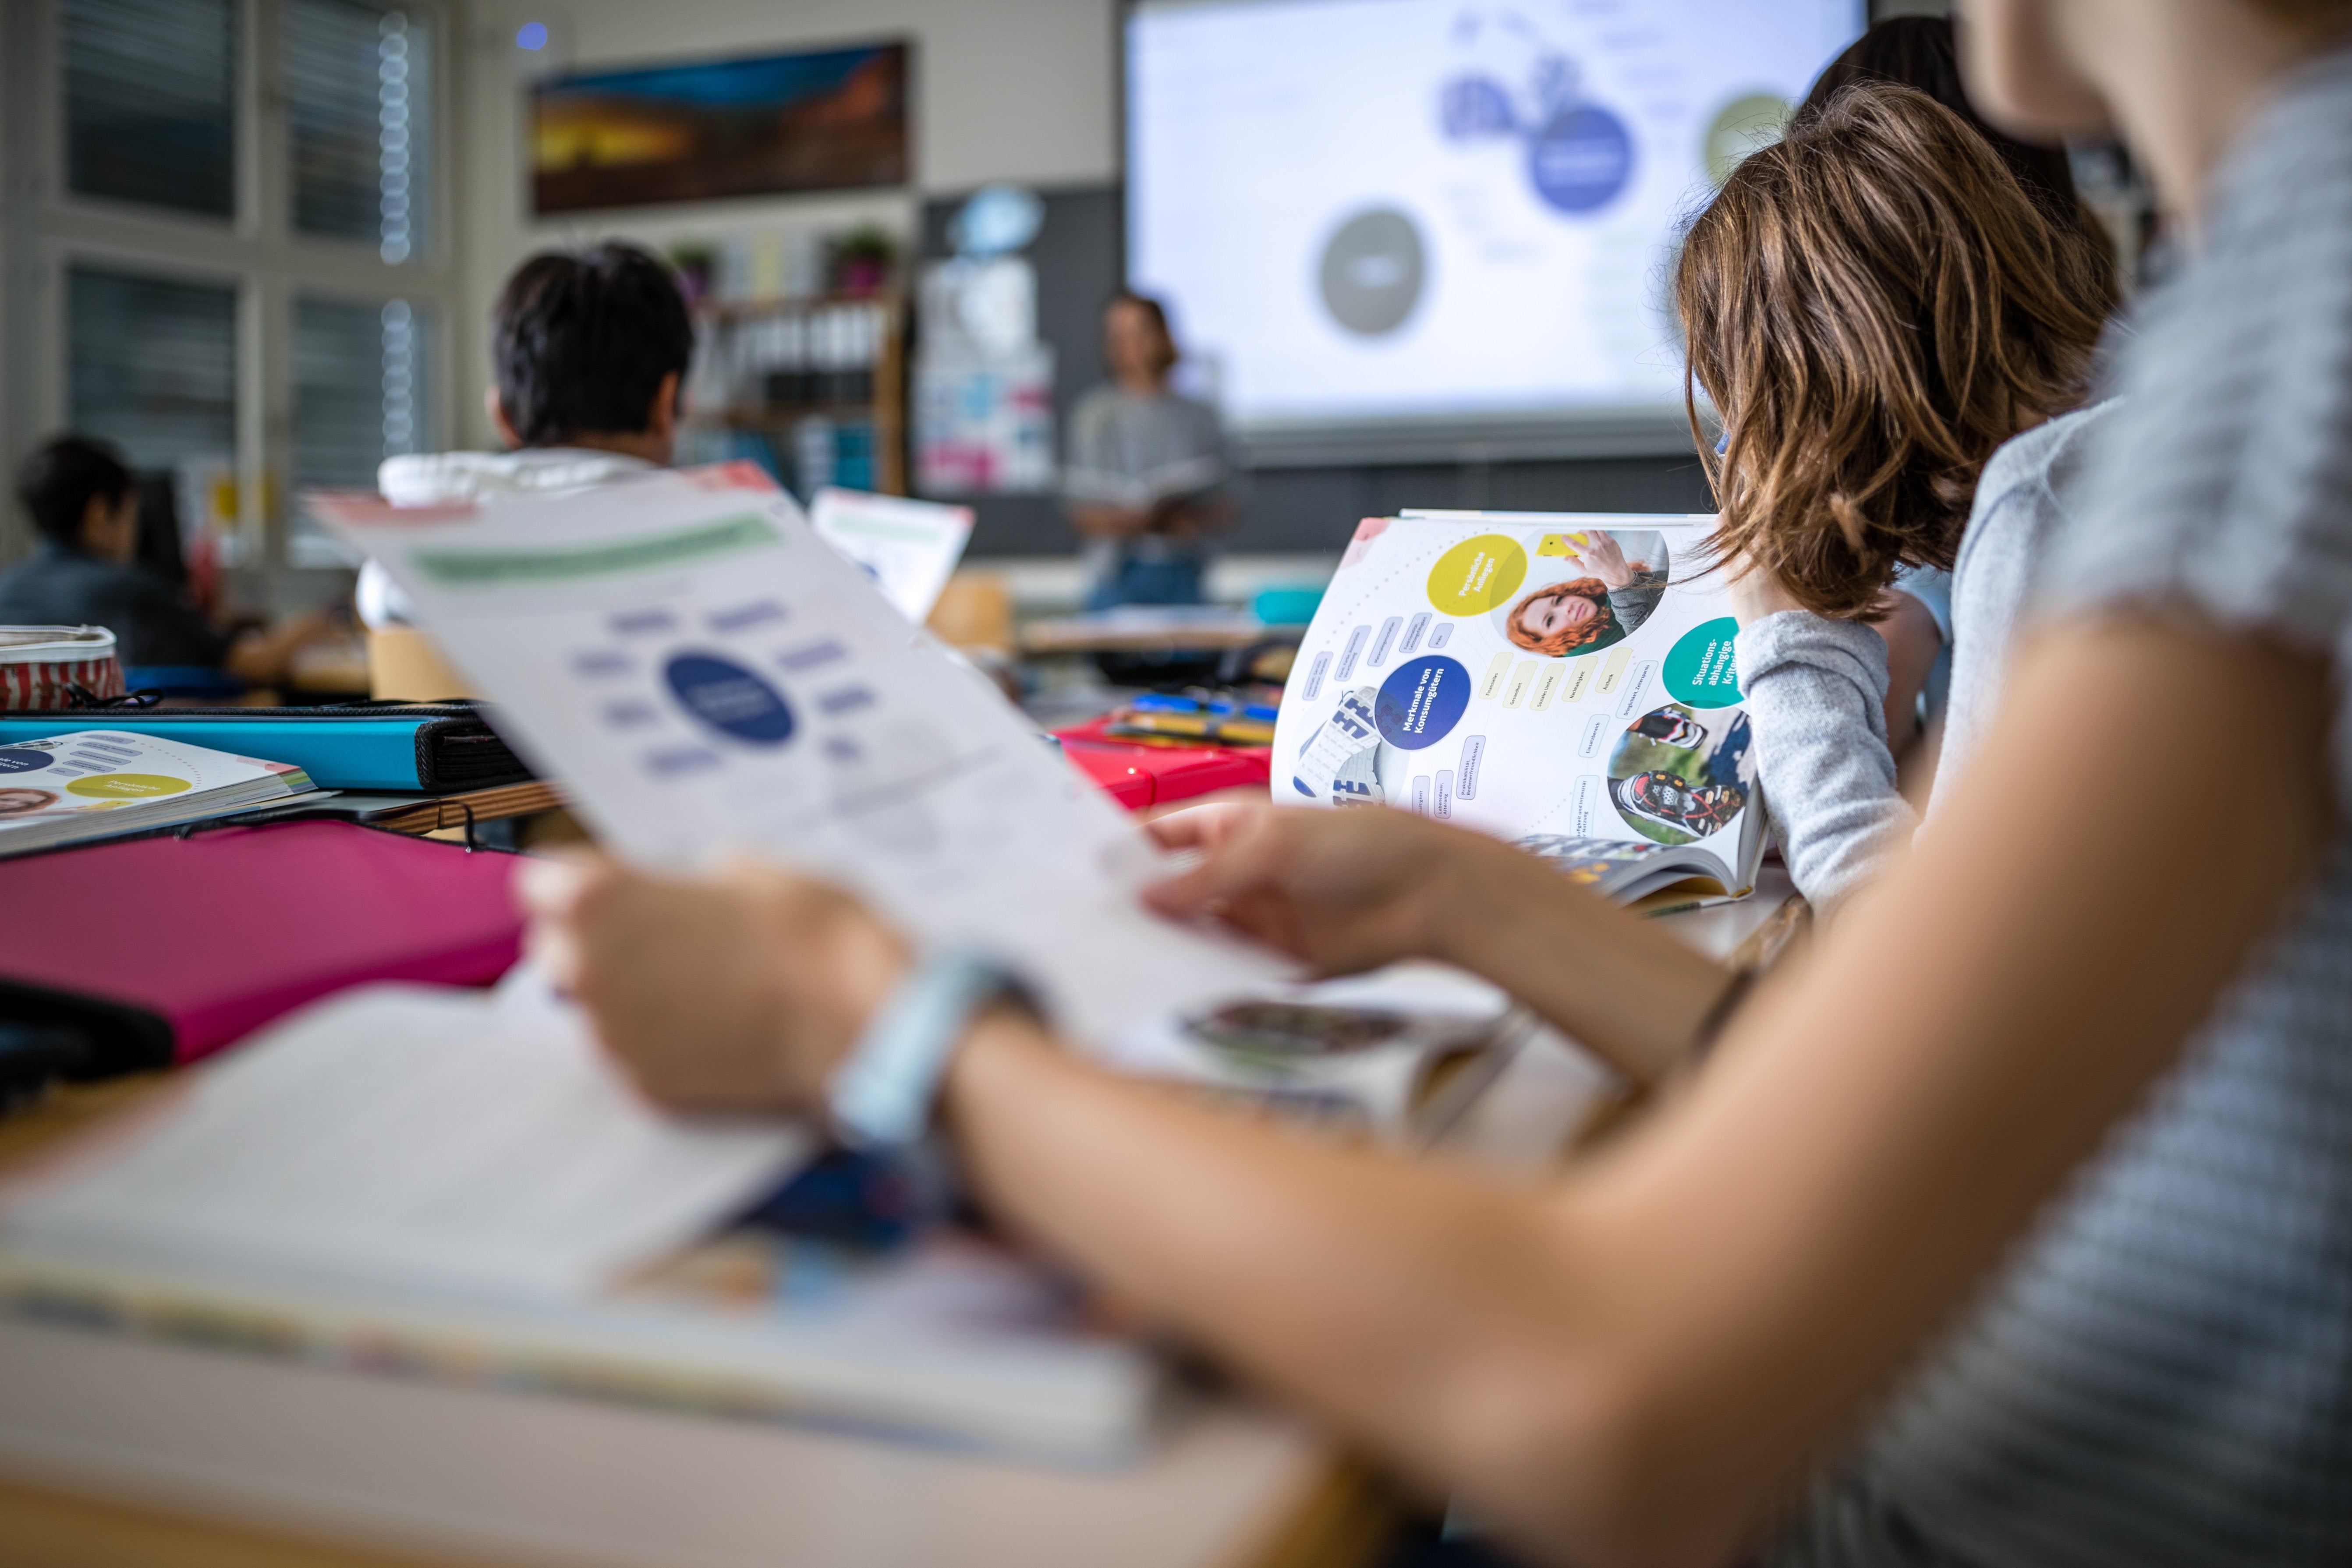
216	934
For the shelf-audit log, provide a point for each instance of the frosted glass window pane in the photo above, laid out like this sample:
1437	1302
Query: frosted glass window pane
359	105
151	101
361	376
152	365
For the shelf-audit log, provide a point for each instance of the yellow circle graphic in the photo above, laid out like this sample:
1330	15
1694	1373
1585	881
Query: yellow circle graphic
126	786
1477	575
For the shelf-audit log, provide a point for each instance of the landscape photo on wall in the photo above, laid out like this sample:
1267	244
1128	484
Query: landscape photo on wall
818	120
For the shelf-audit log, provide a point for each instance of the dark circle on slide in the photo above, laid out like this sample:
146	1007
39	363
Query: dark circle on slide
1373	271
23	759
729	699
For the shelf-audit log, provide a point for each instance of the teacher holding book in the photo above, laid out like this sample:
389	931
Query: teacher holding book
1147	476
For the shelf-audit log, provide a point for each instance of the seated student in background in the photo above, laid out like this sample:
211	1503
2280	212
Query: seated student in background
1147	475
2012	1226
85	505
590	347
1875	306
1921	52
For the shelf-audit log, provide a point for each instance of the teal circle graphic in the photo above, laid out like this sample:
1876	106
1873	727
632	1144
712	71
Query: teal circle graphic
1699	668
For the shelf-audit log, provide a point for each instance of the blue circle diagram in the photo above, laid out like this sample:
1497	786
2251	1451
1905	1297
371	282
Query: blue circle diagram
1476	107
1581	160
729	699
1421	701
23	759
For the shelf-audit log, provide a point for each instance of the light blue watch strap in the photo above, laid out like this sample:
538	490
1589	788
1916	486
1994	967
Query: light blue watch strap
881	1097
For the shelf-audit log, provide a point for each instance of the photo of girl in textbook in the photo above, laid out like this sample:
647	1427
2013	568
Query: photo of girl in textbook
1599	609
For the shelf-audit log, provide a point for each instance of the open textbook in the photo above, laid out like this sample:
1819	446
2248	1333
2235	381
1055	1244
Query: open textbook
73	788
562	1234
1561	680
705	674
1399	1053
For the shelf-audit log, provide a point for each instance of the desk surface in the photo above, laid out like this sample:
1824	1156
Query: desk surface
349	1469
1202	629
127	1454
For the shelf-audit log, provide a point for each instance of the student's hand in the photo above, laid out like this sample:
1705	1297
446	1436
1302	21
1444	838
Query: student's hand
740	990
1602	556
1345	891
1202	827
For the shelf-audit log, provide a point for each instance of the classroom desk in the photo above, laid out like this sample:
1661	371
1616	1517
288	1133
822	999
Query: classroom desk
1153	629
228	1461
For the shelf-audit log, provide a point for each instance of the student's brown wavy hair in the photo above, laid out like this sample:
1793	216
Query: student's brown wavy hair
1874	305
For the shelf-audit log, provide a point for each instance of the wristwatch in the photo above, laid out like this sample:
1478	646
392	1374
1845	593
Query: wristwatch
881	1096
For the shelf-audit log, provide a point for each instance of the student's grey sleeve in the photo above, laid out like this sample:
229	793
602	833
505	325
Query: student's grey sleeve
1816	694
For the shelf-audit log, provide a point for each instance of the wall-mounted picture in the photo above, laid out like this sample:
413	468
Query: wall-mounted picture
822	120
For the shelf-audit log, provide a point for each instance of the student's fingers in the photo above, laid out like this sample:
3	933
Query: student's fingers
1243	860
556	952
550	889
1200	826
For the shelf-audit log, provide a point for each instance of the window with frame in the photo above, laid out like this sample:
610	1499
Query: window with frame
151	101
200	286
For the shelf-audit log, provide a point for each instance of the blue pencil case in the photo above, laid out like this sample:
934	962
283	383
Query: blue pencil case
440	747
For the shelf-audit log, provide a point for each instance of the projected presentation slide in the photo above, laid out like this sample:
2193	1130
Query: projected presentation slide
1374	209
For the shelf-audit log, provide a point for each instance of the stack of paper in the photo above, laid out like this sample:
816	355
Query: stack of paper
453	1186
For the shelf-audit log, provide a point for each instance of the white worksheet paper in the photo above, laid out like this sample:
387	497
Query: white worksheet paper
446	1140
909	547
708	676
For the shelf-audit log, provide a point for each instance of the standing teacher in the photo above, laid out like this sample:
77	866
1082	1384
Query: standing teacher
1149	479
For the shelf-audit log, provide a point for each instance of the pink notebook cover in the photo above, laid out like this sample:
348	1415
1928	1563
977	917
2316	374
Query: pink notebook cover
221	932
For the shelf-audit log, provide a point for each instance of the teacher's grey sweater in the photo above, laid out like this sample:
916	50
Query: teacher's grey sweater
1816	687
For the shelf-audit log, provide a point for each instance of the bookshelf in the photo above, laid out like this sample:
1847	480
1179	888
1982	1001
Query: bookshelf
814	388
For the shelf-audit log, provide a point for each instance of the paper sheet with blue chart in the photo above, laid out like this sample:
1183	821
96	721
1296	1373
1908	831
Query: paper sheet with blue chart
1562	680
708	676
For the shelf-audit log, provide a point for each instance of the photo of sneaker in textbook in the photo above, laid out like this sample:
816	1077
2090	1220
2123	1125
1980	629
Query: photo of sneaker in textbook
1567	677
1674	781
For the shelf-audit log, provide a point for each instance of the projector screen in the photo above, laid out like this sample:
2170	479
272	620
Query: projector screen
1404	225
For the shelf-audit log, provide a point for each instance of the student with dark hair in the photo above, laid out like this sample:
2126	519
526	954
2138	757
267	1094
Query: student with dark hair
85	505
590	349
1147	476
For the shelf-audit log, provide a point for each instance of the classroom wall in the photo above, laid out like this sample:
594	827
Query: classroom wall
1023	90
1004	90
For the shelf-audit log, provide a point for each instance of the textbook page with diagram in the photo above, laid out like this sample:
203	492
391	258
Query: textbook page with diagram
86	784
707	675
1564	680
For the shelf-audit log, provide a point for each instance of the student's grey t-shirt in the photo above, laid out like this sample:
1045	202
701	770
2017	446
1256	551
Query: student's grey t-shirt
2162	1374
